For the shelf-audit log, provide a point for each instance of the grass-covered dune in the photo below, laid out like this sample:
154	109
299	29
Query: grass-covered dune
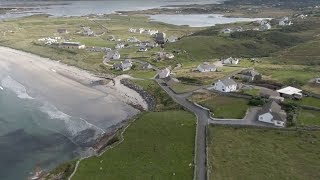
250	154
156	146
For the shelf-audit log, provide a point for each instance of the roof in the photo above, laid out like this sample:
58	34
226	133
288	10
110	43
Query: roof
274	109
71	43
250	72
164	72
271	106
207	66
268	92
228	82
289	90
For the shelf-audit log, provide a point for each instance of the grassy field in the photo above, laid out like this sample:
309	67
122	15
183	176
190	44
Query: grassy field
222	106
183	88
250	154
156	146
309	118
307	101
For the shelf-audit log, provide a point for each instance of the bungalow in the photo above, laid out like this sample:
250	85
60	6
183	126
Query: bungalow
285	22
226	31
147	66
291	92
141	30
72	45
169	56
163	73
206	67
265	27
133	40
230	60
160	38
250	75
131	30
62	31
123	66
113	55
143	49
226	85
273	114
119	46
87	31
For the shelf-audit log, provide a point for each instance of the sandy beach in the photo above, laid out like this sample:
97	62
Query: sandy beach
67	91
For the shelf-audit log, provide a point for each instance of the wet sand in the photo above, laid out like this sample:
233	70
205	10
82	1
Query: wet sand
68	89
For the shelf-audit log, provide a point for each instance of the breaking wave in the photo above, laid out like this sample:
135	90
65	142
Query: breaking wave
16	87
78	129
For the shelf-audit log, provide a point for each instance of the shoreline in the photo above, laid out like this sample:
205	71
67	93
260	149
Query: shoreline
80	83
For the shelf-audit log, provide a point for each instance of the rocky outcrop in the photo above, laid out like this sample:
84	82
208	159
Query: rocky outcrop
150	100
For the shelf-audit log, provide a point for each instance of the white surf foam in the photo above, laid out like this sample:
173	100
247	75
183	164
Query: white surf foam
16	87
73	125
1	88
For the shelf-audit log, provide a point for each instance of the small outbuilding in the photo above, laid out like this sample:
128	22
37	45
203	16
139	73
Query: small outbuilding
291	92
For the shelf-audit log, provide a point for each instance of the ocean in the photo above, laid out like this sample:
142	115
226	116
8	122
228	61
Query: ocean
29	138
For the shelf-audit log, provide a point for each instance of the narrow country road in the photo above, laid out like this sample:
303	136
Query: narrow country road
202	123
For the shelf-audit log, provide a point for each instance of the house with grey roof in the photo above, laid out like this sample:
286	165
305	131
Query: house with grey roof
115	55
273	114
225	85
230	60
72	45
164	73
206	67
123	66
147	66
250	75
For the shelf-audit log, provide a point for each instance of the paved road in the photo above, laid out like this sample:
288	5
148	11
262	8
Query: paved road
202	123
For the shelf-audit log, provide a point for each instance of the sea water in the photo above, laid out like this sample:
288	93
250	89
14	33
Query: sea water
29	137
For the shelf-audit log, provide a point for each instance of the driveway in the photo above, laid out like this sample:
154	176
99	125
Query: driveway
249	120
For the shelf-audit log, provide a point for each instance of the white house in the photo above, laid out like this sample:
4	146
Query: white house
317	80
265	27
285	22
112	55
206	67
164	73
227	30
230	60
132	30
133	40
291	92
119	46
273	114
226	85
123	66
143	49
72	45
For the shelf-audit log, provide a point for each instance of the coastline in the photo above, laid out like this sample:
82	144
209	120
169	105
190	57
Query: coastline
56	79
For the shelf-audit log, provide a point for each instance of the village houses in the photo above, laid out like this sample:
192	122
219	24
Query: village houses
160	38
